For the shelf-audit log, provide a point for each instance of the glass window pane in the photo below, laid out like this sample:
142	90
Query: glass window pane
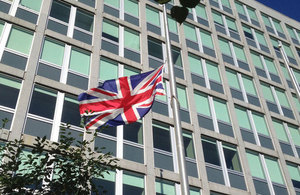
200	11
277	25
71	113
162	97
282	98
294	171
224	46
188	144
195	64
161	136
239	52
232	79
176	56
1	27
181	94
152	16
108	69
206	39
129	71
274	170
155	48
113	3
19	40
210	150
226	3
231	158
134	132
255	165
80	61
53	52
131	7
35	5
252	13
257	60
242	117
60	11
288	50
294	131
268	95
291	32
249	85
172	25
240	8
43	98
134	180
202	104
110	31
10	87
213	71
266	20
260	38
270	65
231	24
164	187
221	110
84	20
190	32
260	123
131	40
217	18
280	131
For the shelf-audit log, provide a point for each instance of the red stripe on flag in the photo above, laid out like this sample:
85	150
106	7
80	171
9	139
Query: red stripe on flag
95	120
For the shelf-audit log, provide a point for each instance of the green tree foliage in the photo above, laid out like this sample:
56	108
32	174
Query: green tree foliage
65	167
179	13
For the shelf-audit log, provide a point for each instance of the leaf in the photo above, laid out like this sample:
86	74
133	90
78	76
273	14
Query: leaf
179	13
189	3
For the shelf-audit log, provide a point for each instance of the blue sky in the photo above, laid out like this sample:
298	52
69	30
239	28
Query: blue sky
289	8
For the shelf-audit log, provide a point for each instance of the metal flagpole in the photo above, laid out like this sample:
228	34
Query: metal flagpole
294	80
175	107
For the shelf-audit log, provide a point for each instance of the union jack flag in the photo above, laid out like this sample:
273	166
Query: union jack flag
121	101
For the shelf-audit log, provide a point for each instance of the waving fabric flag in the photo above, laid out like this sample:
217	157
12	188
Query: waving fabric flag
121	101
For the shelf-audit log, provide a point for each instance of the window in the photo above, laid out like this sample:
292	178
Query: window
222	4
296	102
276	100
71	21
201	14
107	181
133	183
242	87
214	152
255	38
295	175
273	25
294	34
10	87
164	187
130	7
286	76
205	73
177	61
190	157
173	30
163	157
253	127
289	53
110	41
233	54
108	69
218	112
182	98
39	119
153	20
17	48
272	170
205	44
133	142
247	13
265	67
225	25
155	52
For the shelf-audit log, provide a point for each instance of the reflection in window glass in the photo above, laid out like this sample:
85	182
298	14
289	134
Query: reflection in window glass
70	114
133	183
80	61
60	11
84	20
210	151
232	158
131	39
161	136
34	5
108	69
53	52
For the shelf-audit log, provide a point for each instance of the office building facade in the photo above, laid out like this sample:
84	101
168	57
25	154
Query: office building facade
239	109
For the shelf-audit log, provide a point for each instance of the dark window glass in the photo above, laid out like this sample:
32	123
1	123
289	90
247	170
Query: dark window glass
232	158
210	152
161	136
60	11
84	20
43	102
155	48
9	90
134	132
70	113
